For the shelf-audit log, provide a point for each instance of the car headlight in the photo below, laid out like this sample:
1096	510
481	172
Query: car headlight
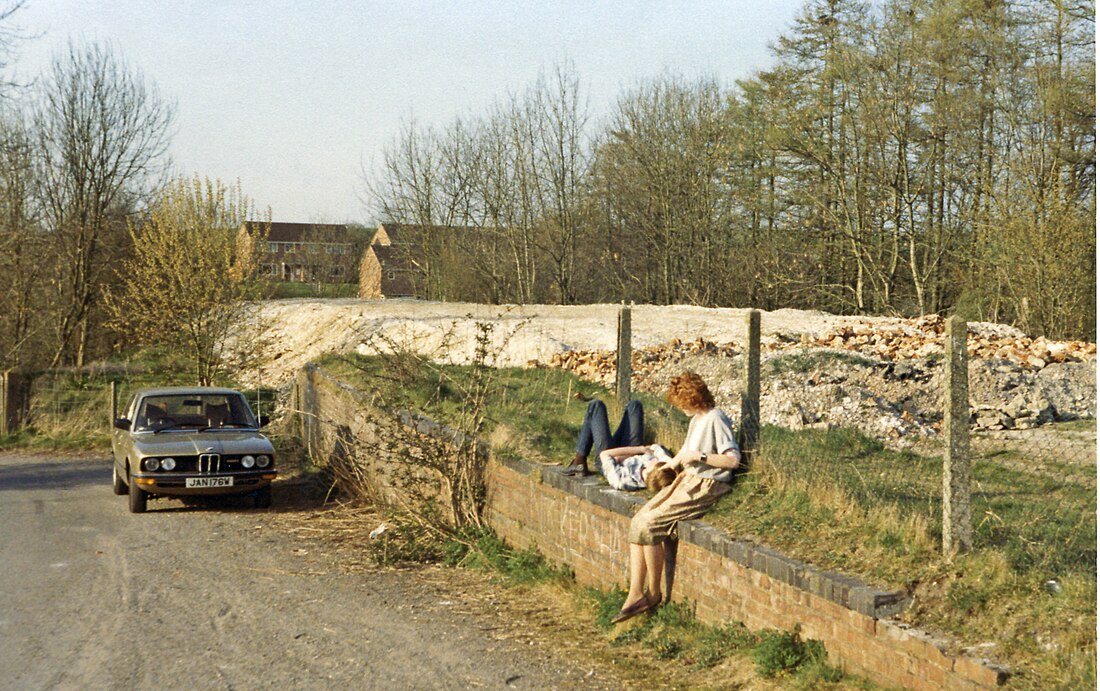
168	464
151	464
263	461
248	462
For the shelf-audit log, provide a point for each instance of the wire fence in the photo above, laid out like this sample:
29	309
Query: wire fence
82	403
873	429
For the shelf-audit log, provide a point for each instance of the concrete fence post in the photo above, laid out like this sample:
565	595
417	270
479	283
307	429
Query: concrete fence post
622	357
750	384
956	432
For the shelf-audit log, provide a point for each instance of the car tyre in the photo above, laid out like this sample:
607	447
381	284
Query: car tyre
262	498
138	498
120	488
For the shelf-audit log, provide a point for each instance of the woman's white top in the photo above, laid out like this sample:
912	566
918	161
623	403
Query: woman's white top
711	432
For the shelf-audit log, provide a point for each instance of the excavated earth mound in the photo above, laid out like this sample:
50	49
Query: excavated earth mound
882	375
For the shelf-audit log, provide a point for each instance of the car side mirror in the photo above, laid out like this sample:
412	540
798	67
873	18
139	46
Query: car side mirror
264	420
122	423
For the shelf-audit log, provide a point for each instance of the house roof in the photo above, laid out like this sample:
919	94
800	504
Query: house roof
403	233
303	232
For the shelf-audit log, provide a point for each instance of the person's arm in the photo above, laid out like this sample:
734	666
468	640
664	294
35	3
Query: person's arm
619	453
729	459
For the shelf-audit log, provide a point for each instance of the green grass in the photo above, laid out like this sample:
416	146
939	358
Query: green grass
1082	425
673	633
486	552
282	290
841	501
533	413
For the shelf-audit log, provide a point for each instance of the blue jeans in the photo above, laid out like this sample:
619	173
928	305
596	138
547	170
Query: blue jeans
596	431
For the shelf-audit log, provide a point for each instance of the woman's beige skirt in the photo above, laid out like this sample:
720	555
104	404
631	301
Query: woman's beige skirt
689	496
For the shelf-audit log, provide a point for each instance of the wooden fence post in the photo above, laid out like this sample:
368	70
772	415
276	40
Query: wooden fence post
956	432
114	402
750	384
5	424
15	400
622	358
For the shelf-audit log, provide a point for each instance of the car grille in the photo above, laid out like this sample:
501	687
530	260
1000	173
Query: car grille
207	463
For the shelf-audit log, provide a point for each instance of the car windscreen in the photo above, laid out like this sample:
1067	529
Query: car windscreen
194	411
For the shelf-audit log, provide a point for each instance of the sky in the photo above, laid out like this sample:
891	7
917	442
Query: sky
297	98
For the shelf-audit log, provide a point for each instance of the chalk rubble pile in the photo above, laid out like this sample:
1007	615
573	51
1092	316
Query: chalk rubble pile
1016	382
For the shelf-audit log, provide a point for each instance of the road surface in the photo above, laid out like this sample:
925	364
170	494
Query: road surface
212	597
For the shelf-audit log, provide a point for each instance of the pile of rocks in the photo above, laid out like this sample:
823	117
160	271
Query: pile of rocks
923	337
884	377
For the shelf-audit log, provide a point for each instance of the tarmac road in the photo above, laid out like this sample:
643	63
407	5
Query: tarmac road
209	597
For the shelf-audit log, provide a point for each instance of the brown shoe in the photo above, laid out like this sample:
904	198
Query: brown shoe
641	606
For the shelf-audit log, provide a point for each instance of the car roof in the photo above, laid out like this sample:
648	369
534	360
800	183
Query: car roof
188	390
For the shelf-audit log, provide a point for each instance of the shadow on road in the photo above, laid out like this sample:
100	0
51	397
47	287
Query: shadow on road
67	474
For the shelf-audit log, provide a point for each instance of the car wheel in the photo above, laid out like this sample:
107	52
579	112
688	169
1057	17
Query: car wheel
263	497
138	498
117	484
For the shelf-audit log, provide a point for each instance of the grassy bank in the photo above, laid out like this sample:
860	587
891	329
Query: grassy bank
1024	596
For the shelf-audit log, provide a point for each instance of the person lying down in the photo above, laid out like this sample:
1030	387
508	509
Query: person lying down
635	467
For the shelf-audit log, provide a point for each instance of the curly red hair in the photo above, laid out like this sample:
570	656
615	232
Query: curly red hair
689	392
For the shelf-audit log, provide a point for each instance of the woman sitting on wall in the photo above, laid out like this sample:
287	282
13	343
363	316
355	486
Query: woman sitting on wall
708	458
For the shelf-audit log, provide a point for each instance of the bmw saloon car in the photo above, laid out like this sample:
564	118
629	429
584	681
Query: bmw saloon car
195	441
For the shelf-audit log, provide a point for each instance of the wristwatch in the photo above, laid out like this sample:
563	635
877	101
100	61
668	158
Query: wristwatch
703	457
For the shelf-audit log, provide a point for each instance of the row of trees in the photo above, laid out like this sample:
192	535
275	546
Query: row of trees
99	248
81	153
901	156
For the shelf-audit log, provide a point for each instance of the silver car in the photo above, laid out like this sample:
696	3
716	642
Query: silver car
191	441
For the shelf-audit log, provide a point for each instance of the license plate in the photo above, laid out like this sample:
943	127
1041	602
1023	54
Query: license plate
209	482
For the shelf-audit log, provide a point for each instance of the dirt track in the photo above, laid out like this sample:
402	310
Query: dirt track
222	596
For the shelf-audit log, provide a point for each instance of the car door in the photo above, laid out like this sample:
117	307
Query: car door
120	438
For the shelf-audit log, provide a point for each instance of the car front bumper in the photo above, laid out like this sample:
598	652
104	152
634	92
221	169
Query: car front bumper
206	484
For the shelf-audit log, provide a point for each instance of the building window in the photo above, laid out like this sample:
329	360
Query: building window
272	247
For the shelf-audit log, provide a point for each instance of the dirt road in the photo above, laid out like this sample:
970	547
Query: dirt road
214	597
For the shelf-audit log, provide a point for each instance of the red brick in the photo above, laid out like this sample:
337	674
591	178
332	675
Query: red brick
980	673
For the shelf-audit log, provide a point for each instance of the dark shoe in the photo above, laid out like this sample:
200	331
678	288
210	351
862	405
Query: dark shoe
639	607
576	469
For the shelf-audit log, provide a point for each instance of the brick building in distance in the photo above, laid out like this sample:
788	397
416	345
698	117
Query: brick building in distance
302	252
388	269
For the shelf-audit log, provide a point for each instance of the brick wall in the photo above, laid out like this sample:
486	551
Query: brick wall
582	523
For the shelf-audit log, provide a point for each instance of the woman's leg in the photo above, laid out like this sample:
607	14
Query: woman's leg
637	574
655	569
643	560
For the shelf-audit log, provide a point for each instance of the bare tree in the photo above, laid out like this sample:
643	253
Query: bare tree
103	134
23	252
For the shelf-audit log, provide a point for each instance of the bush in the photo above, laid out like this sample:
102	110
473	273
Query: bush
782	652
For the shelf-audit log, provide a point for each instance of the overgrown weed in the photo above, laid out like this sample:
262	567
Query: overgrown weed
806	361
